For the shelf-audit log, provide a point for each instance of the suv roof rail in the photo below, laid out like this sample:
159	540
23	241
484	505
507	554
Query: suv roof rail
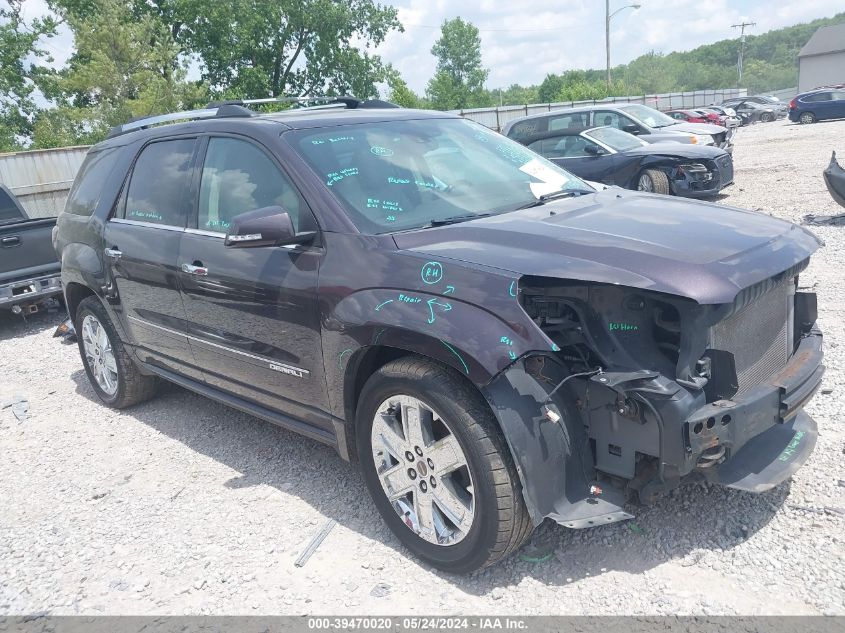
236	108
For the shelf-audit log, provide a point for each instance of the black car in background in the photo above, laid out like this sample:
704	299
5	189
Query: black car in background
614	157
493	340
770	105
752	112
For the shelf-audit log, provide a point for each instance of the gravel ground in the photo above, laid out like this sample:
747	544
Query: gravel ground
182	505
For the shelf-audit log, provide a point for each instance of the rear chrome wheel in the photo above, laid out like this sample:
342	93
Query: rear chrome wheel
807	117
423	470
99	354
112	372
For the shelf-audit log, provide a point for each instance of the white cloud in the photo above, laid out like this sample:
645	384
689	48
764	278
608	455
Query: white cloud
569	34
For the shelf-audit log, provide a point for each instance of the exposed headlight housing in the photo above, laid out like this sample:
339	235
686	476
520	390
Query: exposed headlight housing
701	139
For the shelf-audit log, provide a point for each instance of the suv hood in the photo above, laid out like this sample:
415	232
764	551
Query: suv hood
702	251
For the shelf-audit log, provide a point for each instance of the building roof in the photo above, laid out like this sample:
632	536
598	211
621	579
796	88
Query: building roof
827	39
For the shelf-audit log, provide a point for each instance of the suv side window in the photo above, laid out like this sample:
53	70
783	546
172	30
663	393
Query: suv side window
89	182
818	96
564	121
613	119
238	177
159	182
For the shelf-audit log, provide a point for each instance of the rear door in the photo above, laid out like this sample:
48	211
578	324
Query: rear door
142	240
837	104
253	317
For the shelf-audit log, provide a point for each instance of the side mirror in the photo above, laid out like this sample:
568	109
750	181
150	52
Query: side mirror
268	226
595	150
631	128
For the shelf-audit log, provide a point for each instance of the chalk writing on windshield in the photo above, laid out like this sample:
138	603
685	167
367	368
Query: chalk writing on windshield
386	205
337	176
332	139
516	154
381	151
398	181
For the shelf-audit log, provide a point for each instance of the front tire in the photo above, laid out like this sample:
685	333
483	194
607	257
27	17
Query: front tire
806	118
437	467
111	371
654	181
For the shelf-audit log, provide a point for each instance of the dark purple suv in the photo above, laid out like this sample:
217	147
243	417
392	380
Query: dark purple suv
493	339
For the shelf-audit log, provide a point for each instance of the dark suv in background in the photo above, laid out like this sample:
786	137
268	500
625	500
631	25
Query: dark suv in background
495	341
817	105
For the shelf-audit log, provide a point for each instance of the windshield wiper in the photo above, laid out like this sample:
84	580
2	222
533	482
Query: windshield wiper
455	219
556	195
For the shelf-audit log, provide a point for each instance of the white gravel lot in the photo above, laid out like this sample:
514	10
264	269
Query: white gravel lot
182	505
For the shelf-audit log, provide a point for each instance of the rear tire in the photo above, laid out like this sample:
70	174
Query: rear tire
806	118
766	117
475	508
653	181
110	369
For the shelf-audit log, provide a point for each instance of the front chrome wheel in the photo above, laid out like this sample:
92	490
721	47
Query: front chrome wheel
99	354
645	184
423	470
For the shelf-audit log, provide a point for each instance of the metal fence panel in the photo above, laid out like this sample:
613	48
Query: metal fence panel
41	179
497	117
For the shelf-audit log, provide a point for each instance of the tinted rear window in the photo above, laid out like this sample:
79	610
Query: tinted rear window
88	184
160	182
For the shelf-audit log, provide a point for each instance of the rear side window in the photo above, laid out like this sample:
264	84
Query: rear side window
565	121
818	96
159	183
88	184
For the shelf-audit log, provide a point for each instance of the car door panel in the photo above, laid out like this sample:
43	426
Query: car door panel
253	319
141	254
254	324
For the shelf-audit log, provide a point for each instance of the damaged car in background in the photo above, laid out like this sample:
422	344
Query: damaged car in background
495	341
614	157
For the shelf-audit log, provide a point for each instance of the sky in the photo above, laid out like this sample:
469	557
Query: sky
524	40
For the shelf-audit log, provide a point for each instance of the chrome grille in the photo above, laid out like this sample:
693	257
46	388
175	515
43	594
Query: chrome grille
759	336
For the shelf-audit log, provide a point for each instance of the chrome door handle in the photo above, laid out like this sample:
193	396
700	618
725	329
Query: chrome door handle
113	253
200	271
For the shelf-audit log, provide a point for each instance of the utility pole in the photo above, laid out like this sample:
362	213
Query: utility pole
607	16
741	26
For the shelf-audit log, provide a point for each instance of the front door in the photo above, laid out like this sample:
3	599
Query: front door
253	319
141	244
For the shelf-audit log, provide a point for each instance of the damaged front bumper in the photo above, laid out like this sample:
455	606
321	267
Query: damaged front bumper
582	451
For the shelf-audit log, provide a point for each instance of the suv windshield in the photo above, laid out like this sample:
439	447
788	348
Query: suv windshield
615	139
649	116
399	175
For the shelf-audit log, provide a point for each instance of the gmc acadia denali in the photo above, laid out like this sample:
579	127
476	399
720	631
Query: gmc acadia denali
493	339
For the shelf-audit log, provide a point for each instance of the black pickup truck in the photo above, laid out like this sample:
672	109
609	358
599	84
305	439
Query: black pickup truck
29	269
495	341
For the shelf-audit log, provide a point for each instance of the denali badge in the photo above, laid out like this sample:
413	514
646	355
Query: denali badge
291	371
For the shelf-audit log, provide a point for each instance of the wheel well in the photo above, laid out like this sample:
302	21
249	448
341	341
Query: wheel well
74	294
364	364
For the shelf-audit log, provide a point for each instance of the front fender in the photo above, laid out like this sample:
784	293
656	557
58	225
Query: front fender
550	446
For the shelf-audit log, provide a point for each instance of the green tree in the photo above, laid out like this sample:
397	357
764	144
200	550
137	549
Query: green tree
257	48
20	59
124	67
398	91
459	80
